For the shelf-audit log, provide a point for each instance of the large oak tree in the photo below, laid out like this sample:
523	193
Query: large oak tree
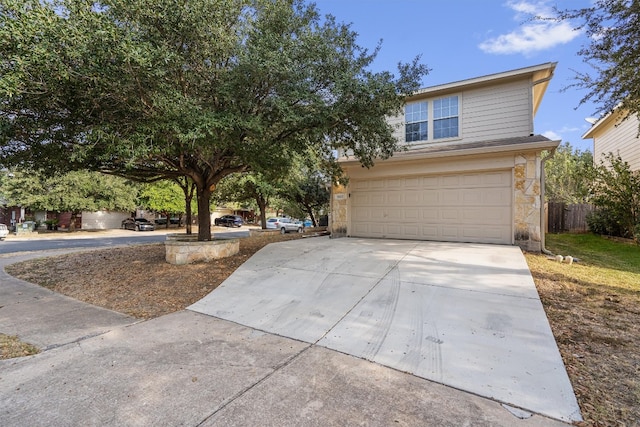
159	89
613	52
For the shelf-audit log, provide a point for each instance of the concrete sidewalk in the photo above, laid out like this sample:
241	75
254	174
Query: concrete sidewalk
45	318
103	368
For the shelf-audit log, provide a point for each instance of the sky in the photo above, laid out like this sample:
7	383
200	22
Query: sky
463	39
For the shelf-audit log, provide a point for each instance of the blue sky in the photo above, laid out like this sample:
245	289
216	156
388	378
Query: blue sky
461	39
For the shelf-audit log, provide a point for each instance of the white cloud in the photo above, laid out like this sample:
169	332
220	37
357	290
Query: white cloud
566	129
560	134
532	35
551	135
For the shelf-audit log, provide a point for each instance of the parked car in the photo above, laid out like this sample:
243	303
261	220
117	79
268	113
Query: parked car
229	221
138	224
4	231
285	225
163	220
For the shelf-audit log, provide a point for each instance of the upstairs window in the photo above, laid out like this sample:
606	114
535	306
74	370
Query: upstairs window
417	124
445	117
432	120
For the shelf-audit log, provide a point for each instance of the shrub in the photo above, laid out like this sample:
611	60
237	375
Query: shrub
616	194
603	222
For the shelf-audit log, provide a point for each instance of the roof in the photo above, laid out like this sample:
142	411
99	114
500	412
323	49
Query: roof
540	76
504	145
603	122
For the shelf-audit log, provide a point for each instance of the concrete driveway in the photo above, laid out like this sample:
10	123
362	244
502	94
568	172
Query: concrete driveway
446	324
463	315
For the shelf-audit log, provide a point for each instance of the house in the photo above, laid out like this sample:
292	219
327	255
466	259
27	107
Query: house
613	134
101	220
471	171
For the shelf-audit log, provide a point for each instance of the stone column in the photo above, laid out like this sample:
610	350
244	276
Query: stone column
527	199
338	217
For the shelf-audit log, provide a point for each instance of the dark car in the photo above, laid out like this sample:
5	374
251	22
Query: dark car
138	224
229	221
163	221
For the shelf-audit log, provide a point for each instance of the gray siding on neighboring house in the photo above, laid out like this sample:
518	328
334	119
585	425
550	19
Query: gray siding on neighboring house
619	139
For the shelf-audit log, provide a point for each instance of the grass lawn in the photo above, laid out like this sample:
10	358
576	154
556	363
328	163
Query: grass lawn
593	307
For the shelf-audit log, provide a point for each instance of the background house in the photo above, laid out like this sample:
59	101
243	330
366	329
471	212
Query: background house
471	171
613	134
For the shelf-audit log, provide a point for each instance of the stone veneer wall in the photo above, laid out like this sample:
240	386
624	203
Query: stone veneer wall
338	217
187	251
527	202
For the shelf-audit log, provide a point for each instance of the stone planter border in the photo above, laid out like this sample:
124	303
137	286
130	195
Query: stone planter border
259	231
186	251
183	237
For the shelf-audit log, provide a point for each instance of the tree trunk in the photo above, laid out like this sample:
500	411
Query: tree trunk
166	214
72	224
312	216
188	197
188	220
262	205
204	214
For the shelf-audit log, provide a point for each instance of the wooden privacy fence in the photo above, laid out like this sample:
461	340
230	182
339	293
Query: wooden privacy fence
562	217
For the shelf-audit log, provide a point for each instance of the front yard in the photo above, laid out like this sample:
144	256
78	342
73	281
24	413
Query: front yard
593	307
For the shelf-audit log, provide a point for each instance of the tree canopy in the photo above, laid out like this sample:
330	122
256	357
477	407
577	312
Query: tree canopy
616	195
165	197
73	192
150	90
569	175
613	52
251	188
308	191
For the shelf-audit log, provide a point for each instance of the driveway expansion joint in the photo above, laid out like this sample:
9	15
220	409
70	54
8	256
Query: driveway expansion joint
252	386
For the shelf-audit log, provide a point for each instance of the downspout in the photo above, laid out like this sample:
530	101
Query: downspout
543	222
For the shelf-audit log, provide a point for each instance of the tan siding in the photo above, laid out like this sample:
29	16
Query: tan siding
497	112
488	113
621	139
398	122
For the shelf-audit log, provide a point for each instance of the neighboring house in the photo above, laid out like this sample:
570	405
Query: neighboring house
248	216
612	134
101	220
471	171
11	215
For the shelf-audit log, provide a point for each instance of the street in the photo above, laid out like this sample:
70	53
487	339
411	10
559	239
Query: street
98	239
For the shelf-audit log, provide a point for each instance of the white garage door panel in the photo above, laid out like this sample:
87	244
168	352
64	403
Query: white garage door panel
464	207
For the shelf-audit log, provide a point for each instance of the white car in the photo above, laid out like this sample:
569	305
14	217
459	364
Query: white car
4	231
284	225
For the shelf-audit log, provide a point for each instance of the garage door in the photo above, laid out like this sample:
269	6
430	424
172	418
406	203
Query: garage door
463	207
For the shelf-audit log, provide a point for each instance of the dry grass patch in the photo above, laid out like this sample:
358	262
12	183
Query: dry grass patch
136	280
594	313
11	346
